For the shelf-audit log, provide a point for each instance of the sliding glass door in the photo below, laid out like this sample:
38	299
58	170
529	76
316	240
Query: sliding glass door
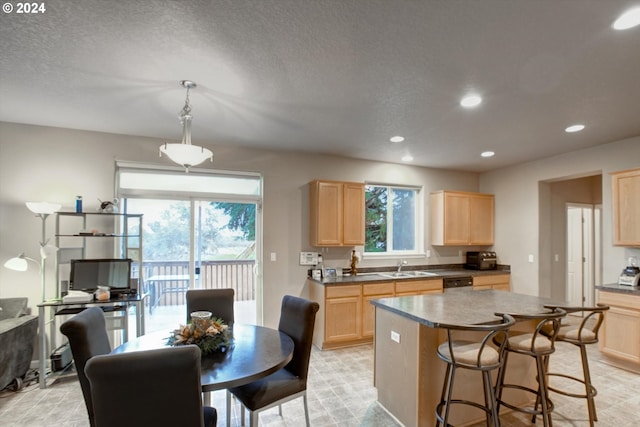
203	235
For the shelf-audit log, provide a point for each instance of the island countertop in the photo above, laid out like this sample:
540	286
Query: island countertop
463	307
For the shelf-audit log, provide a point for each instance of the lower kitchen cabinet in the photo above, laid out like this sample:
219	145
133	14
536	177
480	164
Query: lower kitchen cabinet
343	311
369	292
500	282
621	328
418	287
346	316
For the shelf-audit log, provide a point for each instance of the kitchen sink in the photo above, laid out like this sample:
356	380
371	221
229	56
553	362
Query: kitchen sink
415	273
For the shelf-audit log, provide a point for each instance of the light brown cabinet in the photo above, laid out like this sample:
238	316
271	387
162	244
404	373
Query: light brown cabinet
461	218
500	282
370	292
621	327
418	287
626	207
343	310
336	213
347	317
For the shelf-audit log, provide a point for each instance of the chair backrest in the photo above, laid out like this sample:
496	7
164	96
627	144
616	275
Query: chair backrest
87	334
497	333
546	330
592	318
218	301
147	388
297	318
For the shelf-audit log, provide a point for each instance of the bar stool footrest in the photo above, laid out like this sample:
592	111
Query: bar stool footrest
592	392
458	402
530	411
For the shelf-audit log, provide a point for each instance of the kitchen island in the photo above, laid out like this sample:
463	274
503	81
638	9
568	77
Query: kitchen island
408	373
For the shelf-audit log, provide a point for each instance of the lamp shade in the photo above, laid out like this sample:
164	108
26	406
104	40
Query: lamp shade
43	208
18	263
186	155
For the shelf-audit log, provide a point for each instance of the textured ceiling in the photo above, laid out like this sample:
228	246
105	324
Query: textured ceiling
332	76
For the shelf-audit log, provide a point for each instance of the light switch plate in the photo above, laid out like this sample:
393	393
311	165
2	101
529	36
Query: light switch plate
395	336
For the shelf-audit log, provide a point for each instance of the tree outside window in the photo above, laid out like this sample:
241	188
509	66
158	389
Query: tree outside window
391	218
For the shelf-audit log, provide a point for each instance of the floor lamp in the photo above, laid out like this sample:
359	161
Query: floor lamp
20	263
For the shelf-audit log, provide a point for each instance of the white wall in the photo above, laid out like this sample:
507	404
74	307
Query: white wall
52	164
521	201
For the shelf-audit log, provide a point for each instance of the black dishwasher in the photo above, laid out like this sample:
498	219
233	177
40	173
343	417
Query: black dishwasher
450	283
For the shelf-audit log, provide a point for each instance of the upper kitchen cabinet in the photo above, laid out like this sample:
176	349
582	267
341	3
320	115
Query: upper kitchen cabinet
336	211
626	207
461	218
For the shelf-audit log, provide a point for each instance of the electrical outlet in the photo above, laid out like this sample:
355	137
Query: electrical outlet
530	257
274	257
395	336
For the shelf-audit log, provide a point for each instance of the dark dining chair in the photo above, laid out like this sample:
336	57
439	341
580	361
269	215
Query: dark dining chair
149	388
87	334
297	318
218	301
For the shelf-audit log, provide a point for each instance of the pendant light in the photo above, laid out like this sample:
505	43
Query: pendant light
184	153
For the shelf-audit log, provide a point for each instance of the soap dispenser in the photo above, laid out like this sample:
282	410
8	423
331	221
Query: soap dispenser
354	261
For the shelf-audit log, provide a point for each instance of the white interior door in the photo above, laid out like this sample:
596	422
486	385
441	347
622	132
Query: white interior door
581	254
574	256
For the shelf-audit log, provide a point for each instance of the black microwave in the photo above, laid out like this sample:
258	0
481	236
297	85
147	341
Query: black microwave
481	260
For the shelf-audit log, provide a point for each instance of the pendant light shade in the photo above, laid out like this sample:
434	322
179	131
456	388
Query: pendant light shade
184	153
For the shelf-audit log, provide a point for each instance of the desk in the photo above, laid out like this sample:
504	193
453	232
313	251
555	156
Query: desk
257	352
157	287
408	372
58	308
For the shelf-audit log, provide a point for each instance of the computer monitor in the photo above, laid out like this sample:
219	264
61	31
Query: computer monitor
87	274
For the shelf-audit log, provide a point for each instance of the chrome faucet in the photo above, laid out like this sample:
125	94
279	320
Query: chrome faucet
401	263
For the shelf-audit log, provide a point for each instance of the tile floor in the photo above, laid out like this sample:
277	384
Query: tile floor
341	393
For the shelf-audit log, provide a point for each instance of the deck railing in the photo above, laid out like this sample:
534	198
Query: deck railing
172	279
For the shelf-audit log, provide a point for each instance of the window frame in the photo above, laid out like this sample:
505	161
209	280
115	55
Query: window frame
419	237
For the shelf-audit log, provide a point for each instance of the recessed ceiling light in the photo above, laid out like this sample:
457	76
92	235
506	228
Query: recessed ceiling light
487	154
396	138
407	158
471	100
574	128
629	19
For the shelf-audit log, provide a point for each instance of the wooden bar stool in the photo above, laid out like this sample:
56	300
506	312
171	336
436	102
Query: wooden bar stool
474	355
581	334
538	346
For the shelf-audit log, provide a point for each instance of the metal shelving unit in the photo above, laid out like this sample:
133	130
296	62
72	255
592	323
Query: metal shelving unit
97	235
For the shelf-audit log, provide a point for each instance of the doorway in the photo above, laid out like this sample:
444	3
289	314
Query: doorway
555	198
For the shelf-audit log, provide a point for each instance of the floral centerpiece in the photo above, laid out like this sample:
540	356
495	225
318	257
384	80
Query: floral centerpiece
209	333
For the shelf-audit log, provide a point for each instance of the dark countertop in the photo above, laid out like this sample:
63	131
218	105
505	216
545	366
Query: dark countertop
449	271
463	308
614	287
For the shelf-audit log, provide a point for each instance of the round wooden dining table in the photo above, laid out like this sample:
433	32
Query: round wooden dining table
257	351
